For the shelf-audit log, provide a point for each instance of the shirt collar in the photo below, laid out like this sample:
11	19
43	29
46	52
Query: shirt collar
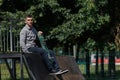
28	27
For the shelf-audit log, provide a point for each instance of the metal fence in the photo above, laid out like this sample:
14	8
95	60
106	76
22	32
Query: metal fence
100	65
9	38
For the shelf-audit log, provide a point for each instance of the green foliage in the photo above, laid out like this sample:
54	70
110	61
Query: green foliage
66	20
12	19
111	46
88	17
1	1
90	44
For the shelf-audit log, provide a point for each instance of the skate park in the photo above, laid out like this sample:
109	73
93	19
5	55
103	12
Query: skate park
84	34
33	64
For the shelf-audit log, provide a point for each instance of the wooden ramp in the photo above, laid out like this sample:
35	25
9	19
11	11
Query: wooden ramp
68	62
38	71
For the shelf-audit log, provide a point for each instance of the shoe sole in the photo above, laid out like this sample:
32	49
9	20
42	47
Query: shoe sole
63	72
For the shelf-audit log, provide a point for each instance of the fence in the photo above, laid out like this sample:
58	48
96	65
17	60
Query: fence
9	38
100	65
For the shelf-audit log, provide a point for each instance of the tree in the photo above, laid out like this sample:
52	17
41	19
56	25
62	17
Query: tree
1	1
82	20
71	22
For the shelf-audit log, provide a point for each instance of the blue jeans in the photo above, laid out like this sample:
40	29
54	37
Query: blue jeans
52	64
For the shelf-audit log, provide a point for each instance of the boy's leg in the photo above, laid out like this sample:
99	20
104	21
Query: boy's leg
44	55
52	64
56	65
55	62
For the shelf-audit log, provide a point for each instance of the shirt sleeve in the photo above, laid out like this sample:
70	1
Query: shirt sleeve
23	40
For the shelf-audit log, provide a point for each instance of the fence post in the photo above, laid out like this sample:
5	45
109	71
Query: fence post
0	39
102	62
111	65
11	41
87	63
0	70
96	66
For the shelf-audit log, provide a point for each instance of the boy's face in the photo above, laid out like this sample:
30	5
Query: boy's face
29	21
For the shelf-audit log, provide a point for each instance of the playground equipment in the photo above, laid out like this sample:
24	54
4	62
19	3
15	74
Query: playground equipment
37	69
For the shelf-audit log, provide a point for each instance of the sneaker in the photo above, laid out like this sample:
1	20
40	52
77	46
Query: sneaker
59	72
55	72
64	71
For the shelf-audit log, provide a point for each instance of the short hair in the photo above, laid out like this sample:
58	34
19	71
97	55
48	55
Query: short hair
29	16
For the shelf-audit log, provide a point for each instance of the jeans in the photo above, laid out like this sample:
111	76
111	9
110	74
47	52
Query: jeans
52	64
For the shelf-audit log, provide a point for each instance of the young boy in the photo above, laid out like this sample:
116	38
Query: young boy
28	36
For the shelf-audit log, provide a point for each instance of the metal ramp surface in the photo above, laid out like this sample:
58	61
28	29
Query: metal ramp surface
38	71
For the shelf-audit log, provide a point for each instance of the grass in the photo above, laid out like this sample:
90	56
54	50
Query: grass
94	76
5	75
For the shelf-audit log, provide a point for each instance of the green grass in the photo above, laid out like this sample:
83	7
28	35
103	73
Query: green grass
94	76
5	75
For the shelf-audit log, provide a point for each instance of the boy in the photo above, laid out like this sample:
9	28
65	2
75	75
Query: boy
28	36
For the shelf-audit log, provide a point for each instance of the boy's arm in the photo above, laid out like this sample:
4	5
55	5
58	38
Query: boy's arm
23	40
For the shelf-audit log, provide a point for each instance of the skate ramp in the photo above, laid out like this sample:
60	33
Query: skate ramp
35	67
68	62
38	71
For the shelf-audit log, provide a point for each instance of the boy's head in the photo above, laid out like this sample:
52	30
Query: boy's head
29	20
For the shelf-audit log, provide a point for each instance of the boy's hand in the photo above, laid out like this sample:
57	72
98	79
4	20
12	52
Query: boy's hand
40	32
